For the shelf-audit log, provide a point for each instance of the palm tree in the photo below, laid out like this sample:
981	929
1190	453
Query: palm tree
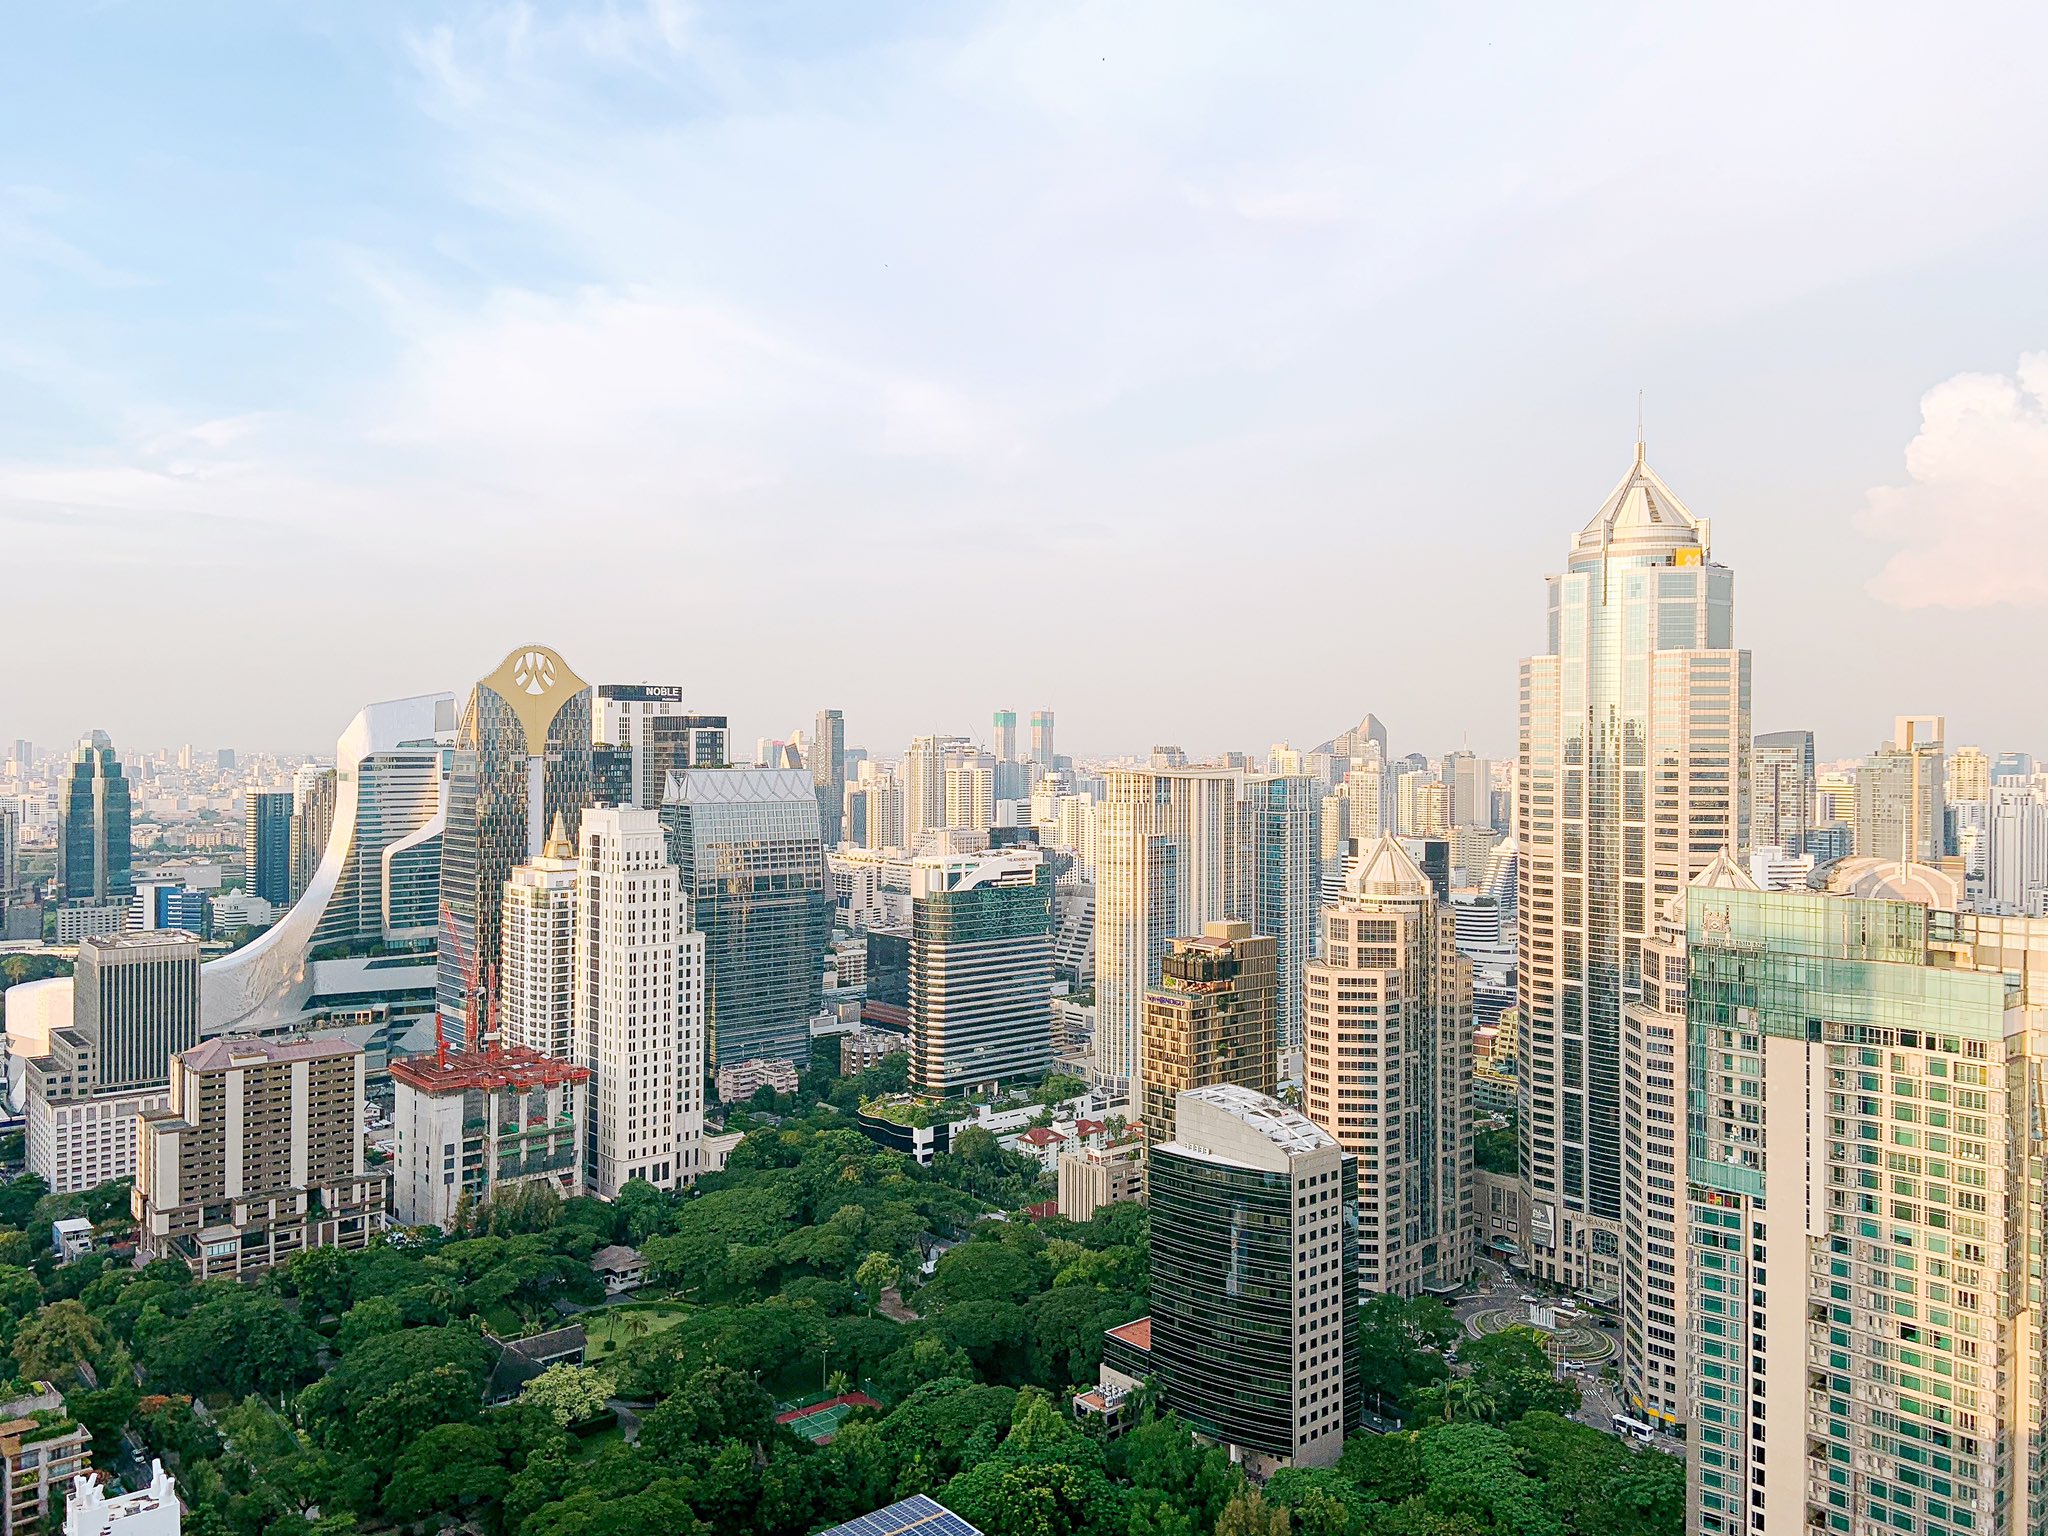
839	1384
1466	1399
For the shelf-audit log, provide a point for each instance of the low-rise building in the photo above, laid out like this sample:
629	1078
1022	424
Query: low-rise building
866	1048
1094	1177
41	1449
70	1238
151	1511
741	1080
621	1268
258	1156
471	1125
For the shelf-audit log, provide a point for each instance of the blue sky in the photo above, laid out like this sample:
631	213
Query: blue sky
1211	374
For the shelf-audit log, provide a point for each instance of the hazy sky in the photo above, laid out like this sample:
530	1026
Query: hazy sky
1211	374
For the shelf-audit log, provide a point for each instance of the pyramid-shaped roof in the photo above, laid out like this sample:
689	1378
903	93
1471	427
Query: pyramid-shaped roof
1724	874
1386	869
1642	514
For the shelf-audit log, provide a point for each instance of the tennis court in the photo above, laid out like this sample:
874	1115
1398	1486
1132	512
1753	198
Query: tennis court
818	1422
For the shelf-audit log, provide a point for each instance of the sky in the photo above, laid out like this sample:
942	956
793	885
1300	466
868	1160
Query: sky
1211	374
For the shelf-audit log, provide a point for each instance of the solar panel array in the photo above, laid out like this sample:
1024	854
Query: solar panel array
917	1516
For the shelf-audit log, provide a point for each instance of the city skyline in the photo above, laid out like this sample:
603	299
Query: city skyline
806	375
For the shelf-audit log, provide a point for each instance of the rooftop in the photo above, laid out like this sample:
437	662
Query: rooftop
1137	1334
226	1051
918	1516
1642	515
1386	869
1287	1129
506	1066
713	786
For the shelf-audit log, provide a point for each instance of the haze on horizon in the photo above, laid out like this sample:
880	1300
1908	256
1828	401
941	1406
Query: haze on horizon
1210	374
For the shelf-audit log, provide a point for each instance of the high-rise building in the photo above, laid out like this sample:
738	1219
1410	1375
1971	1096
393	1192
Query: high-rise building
267	846
1468	781
1041	739
753	867
475	1125
314	792
1170	857
375	876
257	1157
622	717
980	969
679	742
1900	787
1212	1018
94	854
521	758
970	792
1280	835
1969	773
2015	873
1254	1279
537	983
1006	735
10	850
828	769
91	1510
638	1005
1865	1094
1633	774
134	1005
1782	785
1387	1070
2012	765
1366	737
924	786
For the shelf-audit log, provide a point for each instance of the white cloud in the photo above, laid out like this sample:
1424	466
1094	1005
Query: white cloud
1971	529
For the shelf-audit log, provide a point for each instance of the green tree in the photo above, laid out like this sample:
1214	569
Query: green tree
1248	1514
446	1470
370	1318
52	1345
569	1394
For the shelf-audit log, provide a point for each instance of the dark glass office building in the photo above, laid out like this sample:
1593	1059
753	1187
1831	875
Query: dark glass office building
267	846
95	856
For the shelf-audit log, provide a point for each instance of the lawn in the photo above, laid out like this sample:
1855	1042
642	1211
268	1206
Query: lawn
607	1326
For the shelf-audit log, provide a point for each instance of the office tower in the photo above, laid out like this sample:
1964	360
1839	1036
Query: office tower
1865	1094
1254	1279
613	773
1006	735
639	1005
1468	787
375	874
1782	785
475	1125
1633	774
980	970
93	851
621	717
21	758
536	983
1969	773
224	759
1169	857
10	850
1900	786
677	742
315	791
1387	1070
1213	1018
2015	880
521	758
257	1157
134	1004
746	843
2012	765
267	846
828	769
1280	834
1041	739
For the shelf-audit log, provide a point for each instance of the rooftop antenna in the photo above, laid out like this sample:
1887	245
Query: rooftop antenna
1639	429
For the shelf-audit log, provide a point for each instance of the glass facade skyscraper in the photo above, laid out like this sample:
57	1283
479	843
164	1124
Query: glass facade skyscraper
522	757
1282	814
980	969
95	855
753	869
1633	775
267	846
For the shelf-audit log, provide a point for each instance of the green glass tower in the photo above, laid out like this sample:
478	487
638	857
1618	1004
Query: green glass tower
94	851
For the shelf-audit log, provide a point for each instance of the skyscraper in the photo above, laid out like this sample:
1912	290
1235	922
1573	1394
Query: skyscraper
1041	739
1254	1279
980	969
1865	1094
638	1005
1281	812
1633	775
1213	1018
924	786
521	758
622	716
1900	787
1782	790
536	982
1006	735
94	855
828	769
746	843
314	792
267	846
1387	1069
10	850
1969	773
1170	853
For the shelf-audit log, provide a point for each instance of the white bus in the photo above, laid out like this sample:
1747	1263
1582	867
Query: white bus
1635	1429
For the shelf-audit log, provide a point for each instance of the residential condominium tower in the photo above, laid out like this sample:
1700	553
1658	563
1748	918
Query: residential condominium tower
1782	780
980	970
638	1006
1633	774
1387	1069
1865	1089
267	846
1901	786
536	978
746	843
1212	1018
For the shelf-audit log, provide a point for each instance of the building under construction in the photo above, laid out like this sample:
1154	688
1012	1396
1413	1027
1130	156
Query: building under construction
473	1124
